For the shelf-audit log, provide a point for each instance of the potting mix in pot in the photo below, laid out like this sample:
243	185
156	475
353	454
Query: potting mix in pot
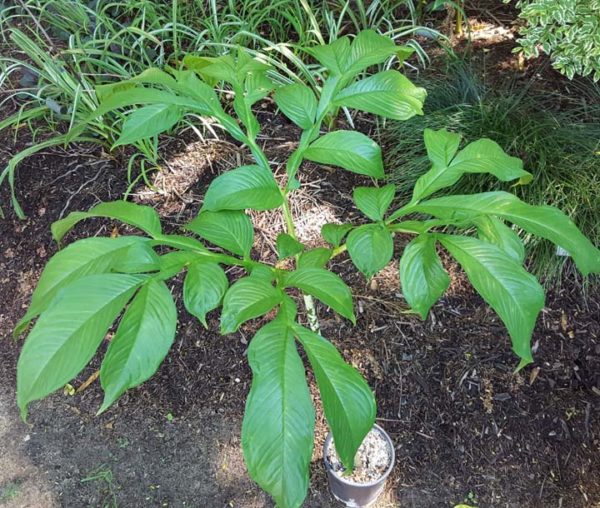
371	462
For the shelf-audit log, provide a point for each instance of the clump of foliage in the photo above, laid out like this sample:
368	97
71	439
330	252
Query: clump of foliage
64	49
557	137
568	30
86	286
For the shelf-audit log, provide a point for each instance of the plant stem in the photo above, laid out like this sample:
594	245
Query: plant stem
309	303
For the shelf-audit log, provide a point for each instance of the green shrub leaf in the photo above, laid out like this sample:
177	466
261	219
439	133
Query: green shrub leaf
67	334
298	103
84	257
315	258
203	289
142	341
370	247
142	217
244	187
348	401
481	156
148	121
248	298
512	292
324	285
545	221
493	230
349	150
139	258
277	432
229	229
333	56
335	233
374	201
422	275
369	48
288	246
388	94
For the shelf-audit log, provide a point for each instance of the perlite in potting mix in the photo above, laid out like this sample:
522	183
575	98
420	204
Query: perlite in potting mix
370	462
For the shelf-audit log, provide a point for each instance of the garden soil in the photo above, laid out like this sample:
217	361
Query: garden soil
467	429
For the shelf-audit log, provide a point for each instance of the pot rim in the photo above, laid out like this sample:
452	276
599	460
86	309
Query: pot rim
373	483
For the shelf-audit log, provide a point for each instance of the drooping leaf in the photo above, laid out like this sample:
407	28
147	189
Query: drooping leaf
174	262
481	156
335	233
298	103
203	289
314	258
180	242
128	97
139	258
277	432
545	221
348	401
370	247
374	201
230	229
350	150
288	246
324	285
515	295
142	217
244	187
67	334
493	230
142	341
84	257
388	94
248	298
143	123
422	275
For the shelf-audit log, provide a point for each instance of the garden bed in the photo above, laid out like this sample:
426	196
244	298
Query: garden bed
466	429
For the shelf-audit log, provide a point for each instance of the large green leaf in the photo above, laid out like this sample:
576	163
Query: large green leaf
374	201
348	401
67	334
422	275
388	94
545	221
248	298
515	295
230	229
148	121
244	187
142	341
371	248
481	156
350	150
369	48
203	289
143	217
324	285
298	103
277	432
493	230
81	258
